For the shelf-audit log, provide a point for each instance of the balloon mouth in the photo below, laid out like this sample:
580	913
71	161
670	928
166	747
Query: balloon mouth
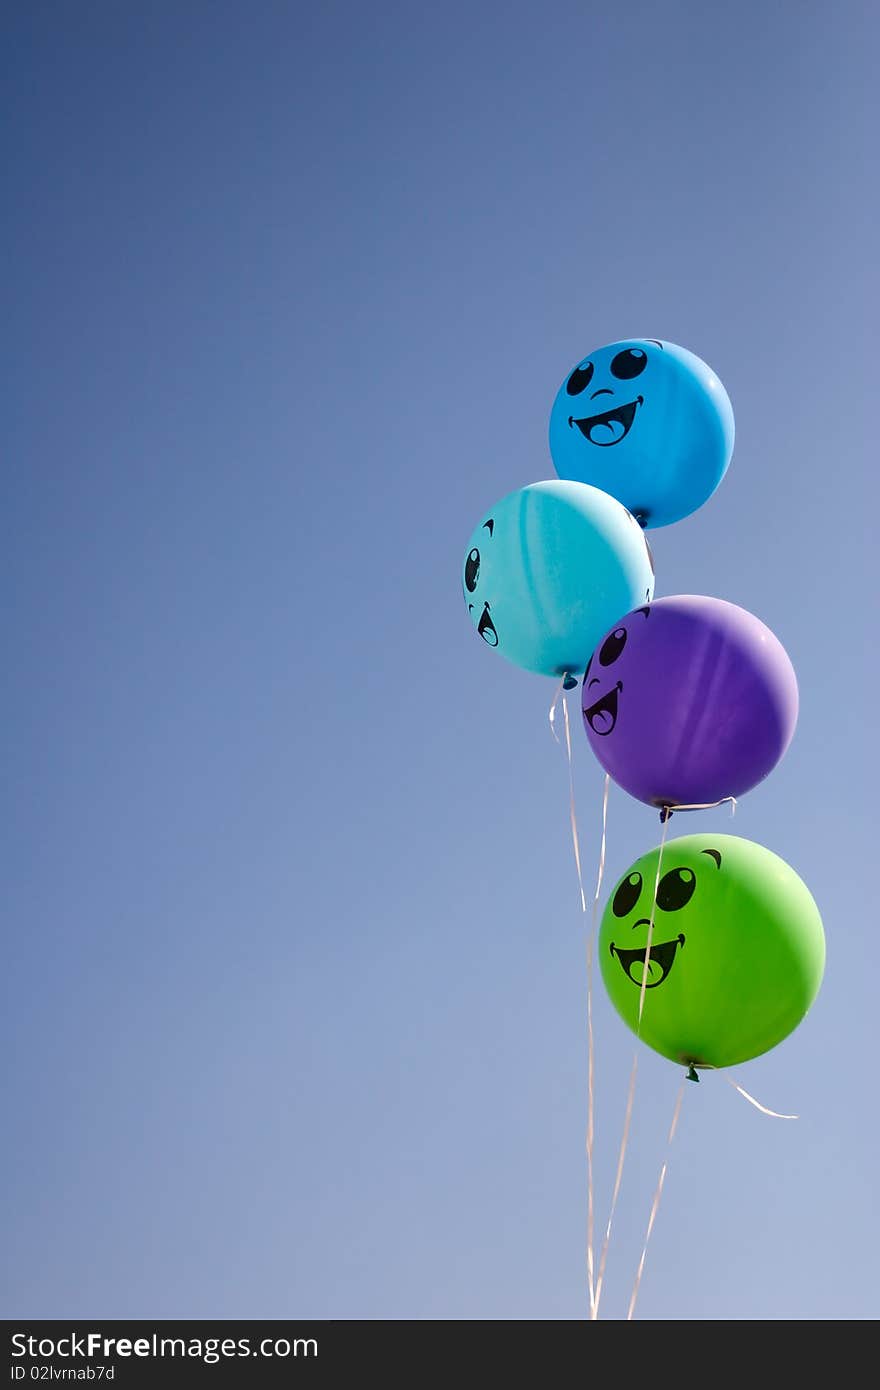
609	428
602	716
658	966
486	627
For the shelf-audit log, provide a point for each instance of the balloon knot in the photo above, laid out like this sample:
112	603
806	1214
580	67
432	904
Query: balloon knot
568	682
665	813
692	1075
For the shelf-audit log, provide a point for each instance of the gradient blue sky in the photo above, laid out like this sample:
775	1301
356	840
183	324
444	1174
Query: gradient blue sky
294	960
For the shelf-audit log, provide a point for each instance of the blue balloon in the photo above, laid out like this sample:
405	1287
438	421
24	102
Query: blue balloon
646	421
548	571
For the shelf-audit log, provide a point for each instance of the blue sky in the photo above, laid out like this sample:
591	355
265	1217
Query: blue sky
293	948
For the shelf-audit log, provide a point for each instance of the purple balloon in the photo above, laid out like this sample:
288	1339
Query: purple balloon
689	700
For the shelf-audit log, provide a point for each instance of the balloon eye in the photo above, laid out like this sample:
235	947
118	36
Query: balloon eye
629	363
612	647
676	889
579	379
472	570
627	895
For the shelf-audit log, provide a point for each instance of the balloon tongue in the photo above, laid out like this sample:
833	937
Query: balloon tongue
607	431
640	969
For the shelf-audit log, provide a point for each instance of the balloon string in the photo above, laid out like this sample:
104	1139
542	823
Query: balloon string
632	1086
575	839
666	811
594	1312
651	926
774	1114
571	808
657	1195
656	1202
590	1046
601	871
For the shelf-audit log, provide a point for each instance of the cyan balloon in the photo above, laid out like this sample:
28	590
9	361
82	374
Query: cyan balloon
549	568
648	422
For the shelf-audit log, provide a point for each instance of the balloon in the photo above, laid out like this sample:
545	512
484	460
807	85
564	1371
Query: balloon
648	422
689	700
548	568
737	950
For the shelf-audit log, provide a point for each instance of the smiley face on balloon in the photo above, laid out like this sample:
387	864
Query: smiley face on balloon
648	422
472	565
601	693
548	568
611	423
641	965
724	960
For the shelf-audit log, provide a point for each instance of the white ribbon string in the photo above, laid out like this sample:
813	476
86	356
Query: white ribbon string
575	840
651	926
656	1202
632	1085
594	1314
774	1114
666	811
601	872
560	689
590	1046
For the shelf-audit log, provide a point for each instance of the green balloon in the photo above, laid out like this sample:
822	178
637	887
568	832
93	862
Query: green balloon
737	951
